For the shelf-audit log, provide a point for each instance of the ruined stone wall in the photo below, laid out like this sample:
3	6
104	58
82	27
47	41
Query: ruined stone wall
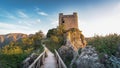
69	21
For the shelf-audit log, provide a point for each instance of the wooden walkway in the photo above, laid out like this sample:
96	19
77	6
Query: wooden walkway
50	61
47	60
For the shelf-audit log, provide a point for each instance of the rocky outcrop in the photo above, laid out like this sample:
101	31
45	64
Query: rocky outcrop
76	38
6	39
29	60
66	53
118	51
88	58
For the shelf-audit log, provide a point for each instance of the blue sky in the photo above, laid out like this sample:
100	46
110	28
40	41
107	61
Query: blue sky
29	16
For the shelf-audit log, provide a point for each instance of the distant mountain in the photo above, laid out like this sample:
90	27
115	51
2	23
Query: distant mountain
6	39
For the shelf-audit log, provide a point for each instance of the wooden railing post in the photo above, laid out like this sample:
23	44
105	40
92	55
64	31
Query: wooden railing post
39	61
61	64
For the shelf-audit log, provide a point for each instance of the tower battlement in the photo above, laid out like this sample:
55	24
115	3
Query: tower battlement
69	21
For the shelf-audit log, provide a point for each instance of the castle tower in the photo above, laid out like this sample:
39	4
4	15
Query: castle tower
69	21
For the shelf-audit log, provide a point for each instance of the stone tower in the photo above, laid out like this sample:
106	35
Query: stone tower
69	21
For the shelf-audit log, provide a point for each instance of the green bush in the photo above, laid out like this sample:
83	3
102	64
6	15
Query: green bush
55	38
105	44
12	60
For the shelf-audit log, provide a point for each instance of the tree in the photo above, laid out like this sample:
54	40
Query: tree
37	39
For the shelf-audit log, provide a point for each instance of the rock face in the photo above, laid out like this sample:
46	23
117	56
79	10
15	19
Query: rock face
76	39
29	60
66	53
88	58
6	39
118	51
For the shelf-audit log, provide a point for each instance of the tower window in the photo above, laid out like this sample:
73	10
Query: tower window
63	21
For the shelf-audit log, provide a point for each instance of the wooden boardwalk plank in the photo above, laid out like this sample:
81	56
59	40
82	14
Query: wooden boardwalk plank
50	61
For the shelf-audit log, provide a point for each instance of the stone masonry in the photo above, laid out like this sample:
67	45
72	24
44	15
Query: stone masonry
69	21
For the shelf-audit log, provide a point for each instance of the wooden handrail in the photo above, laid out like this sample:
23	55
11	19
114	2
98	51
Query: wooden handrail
61	64
38	61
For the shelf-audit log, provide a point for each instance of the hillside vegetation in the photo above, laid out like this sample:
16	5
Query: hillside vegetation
105	44
55	38
108	48
14	53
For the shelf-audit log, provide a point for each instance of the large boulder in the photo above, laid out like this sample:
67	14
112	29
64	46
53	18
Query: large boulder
66	53
88	58
29	60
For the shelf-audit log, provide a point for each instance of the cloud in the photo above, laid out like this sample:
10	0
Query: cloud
25	22
4	25
38	10
42	13
7	14
11	16
23	26
29	22
6	28
13	28
19	22
22	14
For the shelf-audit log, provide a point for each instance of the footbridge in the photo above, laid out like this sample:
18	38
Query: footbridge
47	59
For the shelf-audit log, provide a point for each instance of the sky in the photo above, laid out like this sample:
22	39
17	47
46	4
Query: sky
95	17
